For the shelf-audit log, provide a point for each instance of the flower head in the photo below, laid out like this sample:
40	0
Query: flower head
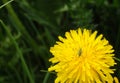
82	57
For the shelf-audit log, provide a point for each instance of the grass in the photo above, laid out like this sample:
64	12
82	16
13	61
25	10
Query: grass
29	28
5	4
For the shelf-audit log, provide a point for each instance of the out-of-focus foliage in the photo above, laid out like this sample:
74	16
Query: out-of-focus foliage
30	27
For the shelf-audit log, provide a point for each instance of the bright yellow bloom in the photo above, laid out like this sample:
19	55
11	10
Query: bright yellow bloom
116	80
82	57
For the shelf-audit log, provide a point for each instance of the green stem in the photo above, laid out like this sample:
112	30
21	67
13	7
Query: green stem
46	77
19	52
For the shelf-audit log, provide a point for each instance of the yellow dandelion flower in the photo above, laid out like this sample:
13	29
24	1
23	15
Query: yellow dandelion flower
82	57
116	80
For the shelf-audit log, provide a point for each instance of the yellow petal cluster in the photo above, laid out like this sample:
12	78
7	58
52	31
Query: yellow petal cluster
82	56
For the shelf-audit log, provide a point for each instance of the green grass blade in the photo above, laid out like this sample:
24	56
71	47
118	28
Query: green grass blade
46	77
25	67
6	4
117	59
21	27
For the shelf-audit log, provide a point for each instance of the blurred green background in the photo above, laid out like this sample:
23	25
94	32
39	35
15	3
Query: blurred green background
28	28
